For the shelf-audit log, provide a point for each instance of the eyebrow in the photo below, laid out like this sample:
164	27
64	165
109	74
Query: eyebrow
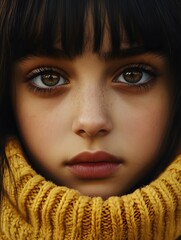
106	56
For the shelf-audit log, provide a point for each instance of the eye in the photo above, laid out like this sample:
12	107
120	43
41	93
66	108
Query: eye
46	78
136	75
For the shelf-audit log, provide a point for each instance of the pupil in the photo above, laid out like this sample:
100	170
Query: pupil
133	76
50	79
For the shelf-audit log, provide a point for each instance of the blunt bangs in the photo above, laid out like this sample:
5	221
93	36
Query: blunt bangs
37	26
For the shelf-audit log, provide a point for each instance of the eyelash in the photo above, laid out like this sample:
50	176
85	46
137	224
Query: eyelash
144	68
39	72
50	70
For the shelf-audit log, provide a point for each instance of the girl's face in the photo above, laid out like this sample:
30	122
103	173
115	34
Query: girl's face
93	123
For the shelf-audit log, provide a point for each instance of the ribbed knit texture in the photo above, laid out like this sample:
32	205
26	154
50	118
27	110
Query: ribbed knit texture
46	211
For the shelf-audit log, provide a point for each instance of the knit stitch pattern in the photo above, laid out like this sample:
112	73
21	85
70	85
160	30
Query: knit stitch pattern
38	209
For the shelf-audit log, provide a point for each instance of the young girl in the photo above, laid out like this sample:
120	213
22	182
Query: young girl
90	128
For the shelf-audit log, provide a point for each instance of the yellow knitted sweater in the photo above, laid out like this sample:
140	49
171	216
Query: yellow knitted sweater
39	209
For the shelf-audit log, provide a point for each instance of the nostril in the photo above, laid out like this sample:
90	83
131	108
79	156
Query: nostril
103	132
92	126
83	133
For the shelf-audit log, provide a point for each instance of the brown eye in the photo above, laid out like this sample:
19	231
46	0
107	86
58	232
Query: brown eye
50	79
46	78
133	76
138	74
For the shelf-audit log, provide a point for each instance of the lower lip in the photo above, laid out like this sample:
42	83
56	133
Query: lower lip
93	170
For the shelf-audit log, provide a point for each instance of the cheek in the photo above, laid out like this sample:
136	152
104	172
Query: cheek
147	128
142	125
42	123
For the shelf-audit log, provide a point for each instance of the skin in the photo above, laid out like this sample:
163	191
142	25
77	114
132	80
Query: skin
93	112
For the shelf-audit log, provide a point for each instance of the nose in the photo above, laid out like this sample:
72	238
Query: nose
92	115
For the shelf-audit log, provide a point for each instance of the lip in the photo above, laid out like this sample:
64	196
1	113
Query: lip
93	165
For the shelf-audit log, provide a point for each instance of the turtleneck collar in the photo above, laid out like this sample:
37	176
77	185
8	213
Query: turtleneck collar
38	209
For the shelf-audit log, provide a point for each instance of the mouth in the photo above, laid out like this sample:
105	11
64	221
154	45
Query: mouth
93	165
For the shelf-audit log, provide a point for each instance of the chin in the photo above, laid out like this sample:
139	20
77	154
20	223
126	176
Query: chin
98	191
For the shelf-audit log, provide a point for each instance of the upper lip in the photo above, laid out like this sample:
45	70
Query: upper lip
93	157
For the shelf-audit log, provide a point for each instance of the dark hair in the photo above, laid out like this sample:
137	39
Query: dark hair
33	26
